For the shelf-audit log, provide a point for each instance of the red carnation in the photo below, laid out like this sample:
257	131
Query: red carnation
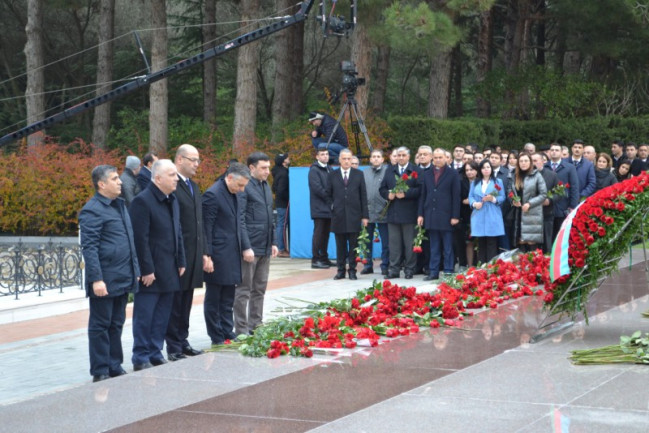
414	175
511	194
567	185
417	250
498	188
358	259
404	176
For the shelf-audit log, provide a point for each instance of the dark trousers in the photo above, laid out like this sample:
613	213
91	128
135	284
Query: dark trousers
105	324
548	233
487	248
346	243
385	248
320	242
401	237
441	241
217	308
151	311
423	258
178	328
459	243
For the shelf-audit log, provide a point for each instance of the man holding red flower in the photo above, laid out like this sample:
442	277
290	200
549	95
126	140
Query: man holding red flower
402	212
567	174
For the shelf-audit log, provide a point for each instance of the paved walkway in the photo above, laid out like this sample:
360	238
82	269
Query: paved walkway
448	379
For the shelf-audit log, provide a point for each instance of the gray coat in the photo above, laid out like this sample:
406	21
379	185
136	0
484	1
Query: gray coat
257	228
130	187
375	202
534	193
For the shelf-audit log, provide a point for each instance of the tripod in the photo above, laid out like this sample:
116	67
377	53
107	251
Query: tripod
358	125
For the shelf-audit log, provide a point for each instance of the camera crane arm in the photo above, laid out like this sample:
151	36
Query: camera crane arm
148	79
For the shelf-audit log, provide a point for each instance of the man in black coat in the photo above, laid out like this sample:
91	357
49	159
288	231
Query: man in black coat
280	188
222	222
327	130
160	251
320	205
402	213
112	271
349	210
551	181
439	212
567	174
188	195
144	175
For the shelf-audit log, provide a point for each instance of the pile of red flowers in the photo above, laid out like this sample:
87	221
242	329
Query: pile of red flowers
602	230
389	310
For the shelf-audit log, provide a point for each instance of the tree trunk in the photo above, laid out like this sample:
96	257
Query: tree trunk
362	56
283	76
439	85
485	45
458	107
158	96
540	33
380	84
34	97
101	120
297	88
515	30
209	67
245	105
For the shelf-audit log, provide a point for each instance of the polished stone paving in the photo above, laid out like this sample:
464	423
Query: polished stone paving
485	377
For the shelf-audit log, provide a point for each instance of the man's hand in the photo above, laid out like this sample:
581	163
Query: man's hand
249	255
181	271
401	194
420	221
208	266
314	133
391	196
147	280
454	221
546	202
274	251
365	222
99	288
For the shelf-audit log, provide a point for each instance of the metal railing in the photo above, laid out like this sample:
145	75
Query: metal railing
34	267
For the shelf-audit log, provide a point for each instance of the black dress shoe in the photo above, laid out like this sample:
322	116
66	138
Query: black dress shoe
384	272
352	275
329	262
138	367
431	277
100	377
175	356
190	351
319	265
408	276
116	373
366	271
340	275
389	276
157	362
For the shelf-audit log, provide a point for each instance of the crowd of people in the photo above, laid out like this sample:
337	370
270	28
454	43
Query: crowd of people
472	203
152	233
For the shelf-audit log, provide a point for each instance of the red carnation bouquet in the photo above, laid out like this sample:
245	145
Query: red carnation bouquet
559	190
401	186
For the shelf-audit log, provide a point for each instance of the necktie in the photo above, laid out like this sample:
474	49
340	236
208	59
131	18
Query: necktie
401	170
189	185
345	178
554	166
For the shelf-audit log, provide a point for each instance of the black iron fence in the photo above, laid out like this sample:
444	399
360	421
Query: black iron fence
35	265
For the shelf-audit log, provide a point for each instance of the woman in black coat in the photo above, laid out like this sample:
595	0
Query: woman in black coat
468	174
603	175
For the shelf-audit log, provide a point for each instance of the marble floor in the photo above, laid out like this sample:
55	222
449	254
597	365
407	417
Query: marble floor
485	377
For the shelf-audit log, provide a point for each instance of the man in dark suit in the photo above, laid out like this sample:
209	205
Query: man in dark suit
439	212
222	222
144	176
188	195
402	213
112	271
160	251
258	241
585	170
349	210
567	174
320	207
641	163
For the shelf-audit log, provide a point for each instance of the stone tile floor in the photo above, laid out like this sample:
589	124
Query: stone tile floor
483	378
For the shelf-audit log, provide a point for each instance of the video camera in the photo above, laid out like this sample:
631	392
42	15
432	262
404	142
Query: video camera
336	25
350	81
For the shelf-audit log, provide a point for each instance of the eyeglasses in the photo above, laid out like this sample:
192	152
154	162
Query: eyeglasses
192	160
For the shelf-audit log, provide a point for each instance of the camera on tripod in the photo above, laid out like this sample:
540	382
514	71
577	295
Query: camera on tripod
350	79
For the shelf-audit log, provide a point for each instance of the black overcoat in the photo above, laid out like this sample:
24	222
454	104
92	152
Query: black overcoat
349	202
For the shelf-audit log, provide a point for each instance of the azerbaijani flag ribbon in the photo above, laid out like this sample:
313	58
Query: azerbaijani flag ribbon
559	258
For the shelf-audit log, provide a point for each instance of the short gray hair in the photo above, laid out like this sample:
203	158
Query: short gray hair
238	170
345	150
403	149
161	165
132	162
